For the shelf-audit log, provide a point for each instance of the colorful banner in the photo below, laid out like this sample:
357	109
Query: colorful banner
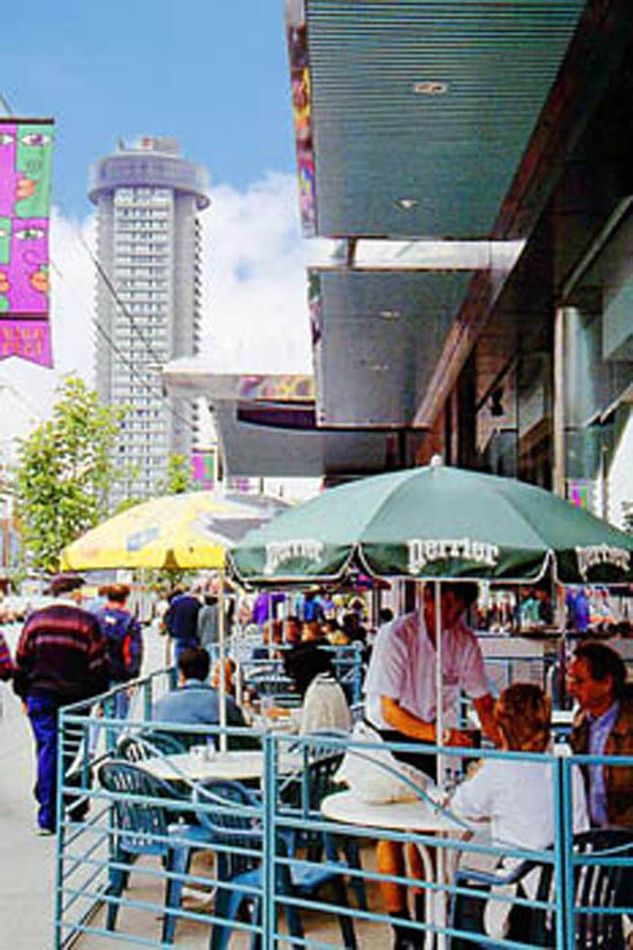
286	387
580	493
302	119
26	151
203	468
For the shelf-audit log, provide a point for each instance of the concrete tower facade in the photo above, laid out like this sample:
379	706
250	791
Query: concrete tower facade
148	201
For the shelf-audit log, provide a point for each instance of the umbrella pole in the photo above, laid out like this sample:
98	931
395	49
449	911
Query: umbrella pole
439	678
222	645
439	733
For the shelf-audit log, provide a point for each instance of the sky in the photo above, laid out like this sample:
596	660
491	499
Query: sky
213	74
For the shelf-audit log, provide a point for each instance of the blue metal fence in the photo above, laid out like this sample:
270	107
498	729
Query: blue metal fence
277	826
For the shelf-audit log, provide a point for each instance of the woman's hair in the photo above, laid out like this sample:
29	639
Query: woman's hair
523	714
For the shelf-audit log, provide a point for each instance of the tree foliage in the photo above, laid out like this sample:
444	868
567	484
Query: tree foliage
179	478
64	472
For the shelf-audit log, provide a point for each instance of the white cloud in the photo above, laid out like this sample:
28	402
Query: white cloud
255	304
255	316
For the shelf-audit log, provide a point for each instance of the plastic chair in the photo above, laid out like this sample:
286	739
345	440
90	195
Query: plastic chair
144	828
235	825
148	744
600	885
303	793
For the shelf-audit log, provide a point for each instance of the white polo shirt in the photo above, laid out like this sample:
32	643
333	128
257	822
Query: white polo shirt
403	664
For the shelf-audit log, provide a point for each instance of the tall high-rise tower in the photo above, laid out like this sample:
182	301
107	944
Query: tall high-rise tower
148	297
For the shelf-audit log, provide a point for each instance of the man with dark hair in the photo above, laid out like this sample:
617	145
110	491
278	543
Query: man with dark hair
401	704
291	630
603	726
400	686
181	620
61	659
195	701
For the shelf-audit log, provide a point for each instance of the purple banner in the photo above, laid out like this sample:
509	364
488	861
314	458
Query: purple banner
26	148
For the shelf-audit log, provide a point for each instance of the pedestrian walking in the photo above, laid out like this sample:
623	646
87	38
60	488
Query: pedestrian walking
181	620
125	643
61	659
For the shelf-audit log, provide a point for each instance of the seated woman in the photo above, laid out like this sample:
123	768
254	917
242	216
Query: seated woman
324	704
516	796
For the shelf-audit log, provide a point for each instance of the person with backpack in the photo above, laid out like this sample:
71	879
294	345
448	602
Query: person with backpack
125	644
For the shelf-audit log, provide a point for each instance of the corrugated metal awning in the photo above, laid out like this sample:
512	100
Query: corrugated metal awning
412	115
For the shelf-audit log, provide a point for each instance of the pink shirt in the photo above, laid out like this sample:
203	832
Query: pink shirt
403	667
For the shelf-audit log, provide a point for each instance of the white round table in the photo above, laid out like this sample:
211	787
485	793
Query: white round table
347	808
226	766
396	816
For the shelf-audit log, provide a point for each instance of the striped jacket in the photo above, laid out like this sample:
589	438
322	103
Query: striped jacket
62	652
6	663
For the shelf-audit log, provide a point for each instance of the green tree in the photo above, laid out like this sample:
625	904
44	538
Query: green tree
179	478
64	472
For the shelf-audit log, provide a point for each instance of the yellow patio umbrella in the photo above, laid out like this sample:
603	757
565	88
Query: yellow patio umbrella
186	531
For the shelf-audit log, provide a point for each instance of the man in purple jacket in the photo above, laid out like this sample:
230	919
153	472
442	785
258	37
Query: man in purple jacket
61	659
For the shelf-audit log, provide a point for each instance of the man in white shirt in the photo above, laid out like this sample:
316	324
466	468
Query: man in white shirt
401	703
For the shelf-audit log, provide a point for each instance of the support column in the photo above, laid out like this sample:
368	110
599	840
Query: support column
558	467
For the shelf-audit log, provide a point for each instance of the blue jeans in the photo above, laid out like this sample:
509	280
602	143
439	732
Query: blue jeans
43	715
42	712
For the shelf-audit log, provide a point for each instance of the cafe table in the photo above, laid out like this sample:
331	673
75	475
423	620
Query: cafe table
406	816
202	764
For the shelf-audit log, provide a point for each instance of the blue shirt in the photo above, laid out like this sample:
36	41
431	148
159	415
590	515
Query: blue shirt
599	729
181	618
196	703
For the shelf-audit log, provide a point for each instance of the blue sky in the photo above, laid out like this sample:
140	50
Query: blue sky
213	73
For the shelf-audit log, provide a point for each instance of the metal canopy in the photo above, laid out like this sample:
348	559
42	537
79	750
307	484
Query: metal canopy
267	450
378	336
420	110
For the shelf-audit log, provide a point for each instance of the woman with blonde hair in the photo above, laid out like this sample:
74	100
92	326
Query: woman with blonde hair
516	795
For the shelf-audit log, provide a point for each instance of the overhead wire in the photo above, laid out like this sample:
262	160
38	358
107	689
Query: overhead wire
146	381
151	385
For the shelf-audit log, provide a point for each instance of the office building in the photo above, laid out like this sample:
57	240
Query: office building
148	202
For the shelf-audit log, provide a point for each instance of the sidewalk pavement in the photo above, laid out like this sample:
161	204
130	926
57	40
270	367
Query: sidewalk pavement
27	862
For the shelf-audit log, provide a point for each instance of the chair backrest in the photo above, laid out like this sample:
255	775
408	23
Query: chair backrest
596	885
142	826
228	814
321	770
147	744
302	793
603	885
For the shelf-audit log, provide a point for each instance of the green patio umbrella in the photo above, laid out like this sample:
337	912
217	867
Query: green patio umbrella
440	523
436	523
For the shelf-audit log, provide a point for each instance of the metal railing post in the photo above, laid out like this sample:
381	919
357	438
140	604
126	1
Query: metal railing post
563	869
268	851
59	817
148	698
